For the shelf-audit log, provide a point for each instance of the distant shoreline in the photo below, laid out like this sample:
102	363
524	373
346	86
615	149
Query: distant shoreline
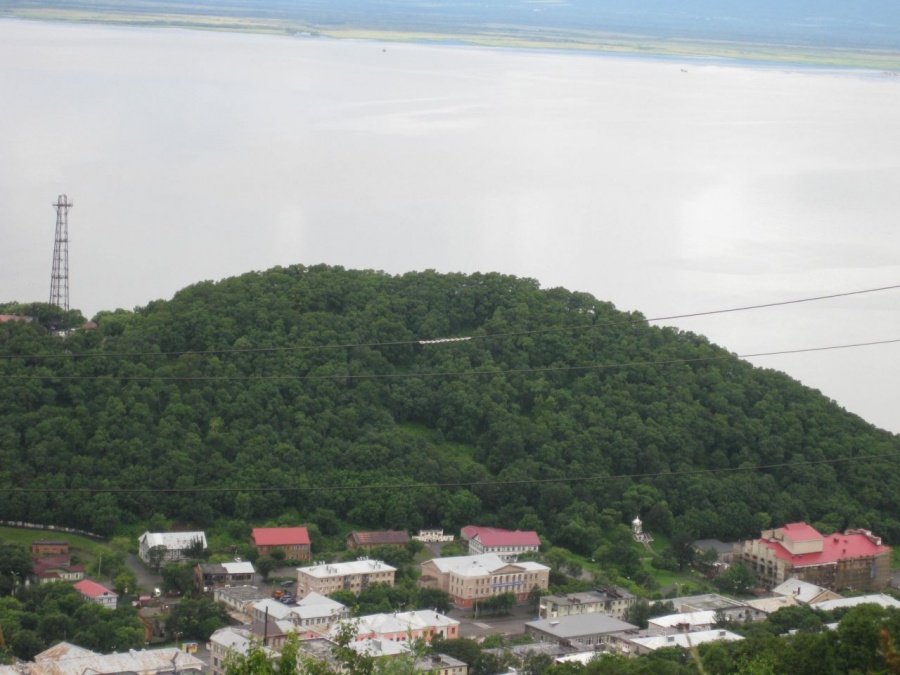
520	38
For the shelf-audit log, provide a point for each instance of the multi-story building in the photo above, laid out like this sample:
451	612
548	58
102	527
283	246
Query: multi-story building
355	576
585	631
294	541
854	560
314	611
169	546
505	543
97	594
470	578
611	601
56	568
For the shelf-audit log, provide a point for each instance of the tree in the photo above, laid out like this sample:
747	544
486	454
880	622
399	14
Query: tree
155	557
266	565
737	580
196	619
178	577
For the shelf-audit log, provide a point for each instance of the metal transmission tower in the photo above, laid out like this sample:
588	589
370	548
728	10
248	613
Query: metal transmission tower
59	277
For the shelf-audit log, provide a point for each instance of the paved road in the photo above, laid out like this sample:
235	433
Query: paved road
147	579
512	624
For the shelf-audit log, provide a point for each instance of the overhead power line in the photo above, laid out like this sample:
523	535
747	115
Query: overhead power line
429	341
457	484
454	373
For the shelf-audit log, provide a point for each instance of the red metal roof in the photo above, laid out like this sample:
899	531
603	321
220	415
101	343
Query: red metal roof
280	536
835	547
494	536
92	589
801	532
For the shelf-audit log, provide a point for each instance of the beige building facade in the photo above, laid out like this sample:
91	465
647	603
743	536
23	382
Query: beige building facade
468	579
355	576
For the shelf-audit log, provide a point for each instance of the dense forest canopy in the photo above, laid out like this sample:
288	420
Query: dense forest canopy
304	378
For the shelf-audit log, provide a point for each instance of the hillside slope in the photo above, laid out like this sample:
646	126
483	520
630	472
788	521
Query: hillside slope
305	378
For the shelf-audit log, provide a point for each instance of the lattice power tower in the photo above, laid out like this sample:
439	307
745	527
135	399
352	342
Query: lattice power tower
59	277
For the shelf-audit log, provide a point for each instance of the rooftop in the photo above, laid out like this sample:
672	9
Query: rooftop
835	547
361	566
685	640
280	536
581	624
480	565
494	536
872	599
172	540
705	618
92	589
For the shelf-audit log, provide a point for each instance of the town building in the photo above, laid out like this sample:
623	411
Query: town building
355	576
403	626
650	643
55	568
314	611
803	592
467	579
441	664
294	541
879	599
505	543
594	631
209	576
234	640
683	622
373	539
723	550
239	599
611	601
712	602
42	547
68	659
169	546
433	537
854	560
97	594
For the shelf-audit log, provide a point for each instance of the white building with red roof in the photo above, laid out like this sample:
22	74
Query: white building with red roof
854	560
505	543
294	541
94	592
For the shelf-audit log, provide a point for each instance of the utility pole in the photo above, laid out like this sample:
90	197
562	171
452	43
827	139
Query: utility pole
59	277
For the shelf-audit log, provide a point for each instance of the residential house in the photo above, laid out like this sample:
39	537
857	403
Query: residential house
373	539
42	547
402	626
724	550
763	607
855	559
467	579
727	607
592	631
294	541
96	593
55	568
171	546
209	576
505	543
441	664
355	576
613	601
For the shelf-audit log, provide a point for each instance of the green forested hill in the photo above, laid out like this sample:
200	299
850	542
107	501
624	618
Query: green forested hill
313	377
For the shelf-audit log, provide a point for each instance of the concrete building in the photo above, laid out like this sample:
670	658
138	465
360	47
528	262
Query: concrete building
504	543
854	560
611	601
294	541
229	640
595	631
68	659
209	576
97	594
404	626
355	576
240	599
172	545
314	611
467	579
803	592
650	643
683	622
879	599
